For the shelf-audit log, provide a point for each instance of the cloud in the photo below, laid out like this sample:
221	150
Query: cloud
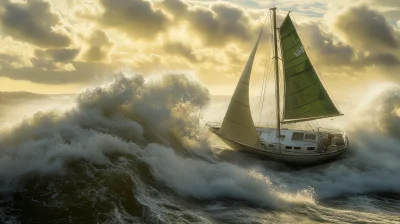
58	55
366	29
210	39
33	22
54	73
391	3
327	50
12	61
184	33
216	24
177	8
221	23
137	18
388	8
385	59
332	53
180	49
100	46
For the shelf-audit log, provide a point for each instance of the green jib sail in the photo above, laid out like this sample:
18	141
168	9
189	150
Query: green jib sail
305	96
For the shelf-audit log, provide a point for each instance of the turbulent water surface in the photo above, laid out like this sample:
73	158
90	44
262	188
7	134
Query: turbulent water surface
134	151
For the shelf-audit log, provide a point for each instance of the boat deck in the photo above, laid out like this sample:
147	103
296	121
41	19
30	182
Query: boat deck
299	141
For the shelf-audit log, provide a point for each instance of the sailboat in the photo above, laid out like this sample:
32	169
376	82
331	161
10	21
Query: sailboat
305	99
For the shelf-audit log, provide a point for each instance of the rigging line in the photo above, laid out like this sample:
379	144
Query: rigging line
269	69
317	124
280	15
265	81
281	81
265	85
213	141
263	88
308	123
277	69
268	72
273	77
311	58
283	69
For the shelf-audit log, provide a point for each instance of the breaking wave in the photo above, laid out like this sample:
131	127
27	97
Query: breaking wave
133	151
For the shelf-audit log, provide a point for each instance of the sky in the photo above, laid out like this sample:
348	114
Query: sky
63	46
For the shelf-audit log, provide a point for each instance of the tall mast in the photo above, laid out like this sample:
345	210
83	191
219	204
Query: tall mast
278	115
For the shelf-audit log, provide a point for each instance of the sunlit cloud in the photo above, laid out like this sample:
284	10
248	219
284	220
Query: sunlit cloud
76	42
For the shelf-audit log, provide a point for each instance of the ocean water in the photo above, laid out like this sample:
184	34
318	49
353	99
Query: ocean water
135	151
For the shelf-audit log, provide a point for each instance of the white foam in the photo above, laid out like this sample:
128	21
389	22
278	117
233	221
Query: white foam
162	117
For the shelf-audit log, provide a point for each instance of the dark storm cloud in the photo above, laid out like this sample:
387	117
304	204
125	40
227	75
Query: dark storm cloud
366	29
137	18
32	22
180	49
58	55
100	46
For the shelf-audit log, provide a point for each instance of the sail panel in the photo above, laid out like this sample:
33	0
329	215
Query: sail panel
305	97
238	123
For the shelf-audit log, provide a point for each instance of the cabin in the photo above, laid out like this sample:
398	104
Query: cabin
291	140
299	141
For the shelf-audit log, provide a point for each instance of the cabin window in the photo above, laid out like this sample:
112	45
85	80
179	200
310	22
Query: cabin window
310	136
288	147
298	136
270	145
297	147
310	148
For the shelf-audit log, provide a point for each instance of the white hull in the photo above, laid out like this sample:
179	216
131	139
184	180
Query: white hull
280	154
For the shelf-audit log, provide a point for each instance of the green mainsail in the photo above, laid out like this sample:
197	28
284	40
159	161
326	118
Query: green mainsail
305	97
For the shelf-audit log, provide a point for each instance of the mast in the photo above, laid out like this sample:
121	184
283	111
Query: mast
278	115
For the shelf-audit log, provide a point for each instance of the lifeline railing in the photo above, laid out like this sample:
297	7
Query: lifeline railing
300	127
